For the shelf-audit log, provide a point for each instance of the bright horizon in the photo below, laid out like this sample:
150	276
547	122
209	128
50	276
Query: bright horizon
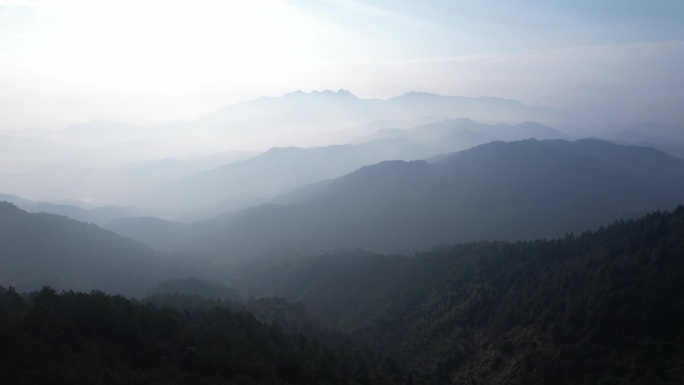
150	62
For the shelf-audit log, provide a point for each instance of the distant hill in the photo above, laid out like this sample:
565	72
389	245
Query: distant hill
279	170
463	133
98	215
272	173
45	249
330	110
129	184
652	134
319	118
484	108
157	233
498	191
123	164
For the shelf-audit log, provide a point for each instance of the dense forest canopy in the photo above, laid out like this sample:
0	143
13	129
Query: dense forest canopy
78	338
600	306
597	306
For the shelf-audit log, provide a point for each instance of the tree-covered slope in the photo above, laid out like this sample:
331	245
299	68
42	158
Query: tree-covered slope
76	338
597	307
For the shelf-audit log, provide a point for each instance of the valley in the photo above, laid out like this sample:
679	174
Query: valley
424	249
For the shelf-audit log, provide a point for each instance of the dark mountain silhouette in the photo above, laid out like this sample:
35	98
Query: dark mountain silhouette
648	164
46	249
79	338
500	191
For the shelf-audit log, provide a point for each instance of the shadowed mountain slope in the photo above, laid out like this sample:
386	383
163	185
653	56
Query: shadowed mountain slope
275	172
45	249
501	191
597	307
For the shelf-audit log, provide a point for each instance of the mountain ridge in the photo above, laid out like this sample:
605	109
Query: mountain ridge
45	249
504	191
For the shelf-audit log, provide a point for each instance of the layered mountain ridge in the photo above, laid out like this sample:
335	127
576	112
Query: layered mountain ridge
500	191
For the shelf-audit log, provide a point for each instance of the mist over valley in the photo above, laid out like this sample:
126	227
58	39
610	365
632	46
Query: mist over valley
357	192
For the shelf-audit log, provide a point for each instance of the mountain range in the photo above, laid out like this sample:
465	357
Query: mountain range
599	306
294	119
499	191
595	307
82	213
174	188
45	249
186	170
322	237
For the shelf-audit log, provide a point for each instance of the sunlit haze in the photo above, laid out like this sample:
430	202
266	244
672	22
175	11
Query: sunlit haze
342	191
149	62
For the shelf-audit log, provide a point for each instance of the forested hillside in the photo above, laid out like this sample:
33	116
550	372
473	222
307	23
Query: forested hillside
76	338
596	307
600	306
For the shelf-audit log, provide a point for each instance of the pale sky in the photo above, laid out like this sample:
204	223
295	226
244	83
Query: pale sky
149	62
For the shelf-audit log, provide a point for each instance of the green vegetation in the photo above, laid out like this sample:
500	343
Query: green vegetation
77	338
598	307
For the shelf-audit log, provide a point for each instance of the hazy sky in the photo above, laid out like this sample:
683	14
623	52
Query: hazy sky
148	62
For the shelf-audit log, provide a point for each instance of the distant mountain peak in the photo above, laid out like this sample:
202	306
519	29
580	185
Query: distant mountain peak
327	93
